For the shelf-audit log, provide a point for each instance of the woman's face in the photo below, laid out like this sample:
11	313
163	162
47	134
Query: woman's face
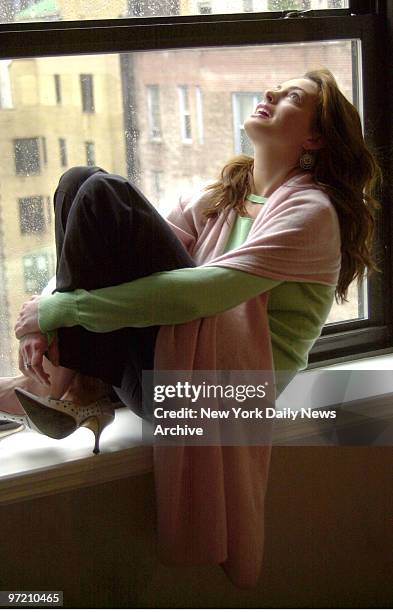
285	116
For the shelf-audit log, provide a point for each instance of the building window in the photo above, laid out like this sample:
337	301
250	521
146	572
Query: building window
63	152
87	91
44	150
57	88
185	115
204	8
27	156
90	154
153	108
243	105
199	112
36	272
31	215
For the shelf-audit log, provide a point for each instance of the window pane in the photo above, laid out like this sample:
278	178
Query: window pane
195	92
58	10
31	215
27	156
86	81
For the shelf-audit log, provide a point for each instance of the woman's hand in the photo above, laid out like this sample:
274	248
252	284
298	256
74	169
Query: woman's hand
27	321
32	349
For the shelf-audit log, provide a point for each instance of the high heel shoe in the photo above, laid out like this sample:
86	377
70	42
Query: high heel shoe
60	418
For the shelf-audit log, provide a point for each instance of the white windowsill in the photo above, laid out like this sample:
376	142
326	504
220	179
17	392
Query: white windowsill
32	465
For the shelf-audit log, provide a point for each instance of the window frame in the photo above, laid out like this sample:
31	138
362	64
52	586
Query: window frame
365	20
199	114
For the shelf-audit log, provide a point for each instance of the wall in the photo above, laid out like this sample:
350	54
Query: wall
329	541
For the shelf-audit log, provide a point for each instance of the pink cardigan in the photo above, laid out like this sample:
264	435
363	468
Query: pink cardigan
210	499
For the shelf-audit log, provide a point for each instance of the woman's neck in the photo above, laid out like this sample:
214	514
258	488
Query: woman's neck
272	170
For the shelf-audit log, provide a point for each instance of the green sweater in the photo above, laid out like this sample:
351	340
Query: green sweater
296	310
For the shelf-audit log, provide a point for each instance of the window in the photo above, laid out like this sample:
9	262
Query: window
57	81
207	70
185	116
243	105
63	152
90	154
86	81
199	111
31	215
36	272
44	150
153	104
27	156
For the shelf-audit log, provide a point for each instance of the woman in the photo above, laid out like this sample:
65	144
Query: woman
306	115
252	264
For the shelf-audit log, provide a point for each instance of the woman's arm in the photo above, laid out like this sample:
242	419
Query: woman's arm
163	298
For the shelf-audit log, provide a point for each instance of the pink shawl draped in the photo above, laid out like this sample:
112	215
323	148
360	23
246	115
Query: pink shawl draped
210	499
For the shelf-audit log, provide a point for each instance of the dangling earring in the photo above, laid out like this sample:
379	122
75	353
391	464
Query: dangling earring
307	160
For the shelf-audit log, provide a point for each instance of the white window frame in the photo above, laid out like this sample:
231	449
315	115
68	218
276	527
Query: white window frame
199	114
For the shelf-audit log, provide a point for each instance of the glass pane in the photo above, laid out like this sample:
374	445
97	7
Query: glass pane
43	101
59	10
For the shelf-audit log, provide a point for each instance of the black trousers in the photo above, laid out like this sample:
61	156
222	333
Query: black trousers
113	235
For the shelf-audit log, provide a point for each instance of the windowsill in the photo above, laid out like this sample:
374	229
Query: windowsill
32	465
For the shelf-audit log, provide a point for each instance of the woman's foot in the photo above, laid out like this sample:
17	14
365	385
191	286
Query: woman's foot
84	390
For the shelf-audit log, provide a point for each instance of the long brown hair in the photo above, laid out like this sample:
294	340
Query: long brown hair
344	168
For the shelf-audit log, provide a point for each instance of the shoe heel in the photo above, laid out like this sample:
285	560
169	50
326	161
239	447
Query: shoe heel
97	425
